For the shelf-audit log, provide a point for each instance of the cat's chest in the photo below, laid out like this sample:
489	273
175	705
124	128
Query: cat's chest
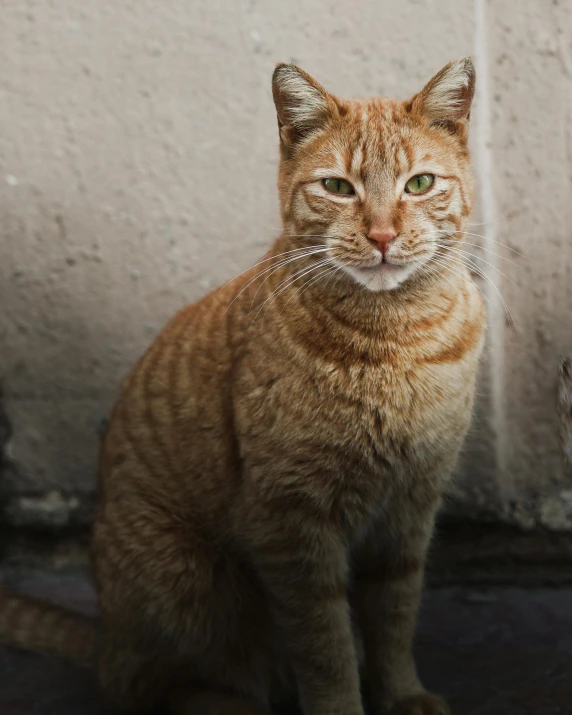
394	409
358	439
399	431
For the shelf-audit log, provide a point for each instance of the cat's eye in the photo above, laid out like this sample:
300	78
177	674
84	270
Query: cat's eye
419	184
338	186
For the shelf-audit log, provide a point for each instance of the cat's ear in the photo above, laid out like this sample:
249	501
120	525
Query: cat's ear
302	105
446	99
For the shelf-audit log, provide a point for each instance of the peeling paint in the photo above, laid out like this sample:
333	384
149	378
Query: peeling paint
556	511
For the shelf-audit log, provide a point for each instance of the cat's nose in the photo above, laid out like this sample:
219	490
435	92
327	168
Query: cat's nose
382	239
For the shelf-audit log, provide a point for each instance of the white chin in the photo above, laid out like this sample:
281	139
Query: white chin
386	276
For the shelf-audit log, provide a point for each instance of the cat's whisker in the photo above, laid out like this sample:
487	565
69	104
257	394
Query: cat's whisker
272	267
452	243
439	259
482	223
445	236
275	268
287	283
492	240
327	271
432	270
472	257
485	238
483	275
465	278
300	291
265	260
283	262
292	277
336	272
279	289
464	260
490	250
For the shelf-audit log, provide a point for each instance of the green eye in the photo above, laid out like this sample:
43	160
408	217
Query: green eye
419	184
338	186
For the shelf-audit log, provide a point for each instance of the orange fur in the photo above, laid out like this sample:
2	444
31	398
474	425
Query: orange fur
272	470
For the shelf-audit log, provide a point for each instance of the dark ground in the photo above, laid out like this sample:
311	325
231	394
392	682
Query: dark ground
489	646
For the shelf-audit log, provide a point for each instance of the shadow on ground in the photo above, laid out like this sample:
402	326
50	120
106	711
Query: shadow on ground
503	651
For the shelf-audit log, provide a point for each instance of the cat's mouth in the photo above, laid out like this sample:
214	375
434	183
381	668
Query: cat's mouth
385	275
383	267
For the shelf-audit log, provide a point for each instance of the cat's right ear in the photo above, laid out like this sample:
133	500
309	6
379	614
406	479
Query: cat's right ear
302	105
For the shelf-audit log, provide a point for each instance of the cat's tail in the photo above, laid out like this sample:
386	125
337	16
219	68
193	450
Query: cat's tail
565	406
45	628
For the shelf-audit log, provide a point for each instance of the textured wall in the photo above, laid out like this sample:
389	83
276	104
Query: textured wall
137	170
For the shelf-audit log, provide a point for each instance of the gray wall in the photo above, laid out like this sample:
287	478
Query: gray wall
137	170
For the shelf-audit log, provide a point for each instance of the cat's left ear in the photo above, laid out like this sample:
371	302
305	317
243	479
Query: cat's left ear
446	99
302	105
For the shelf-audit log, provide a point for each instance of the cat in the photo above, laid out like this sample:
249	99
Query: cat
271	473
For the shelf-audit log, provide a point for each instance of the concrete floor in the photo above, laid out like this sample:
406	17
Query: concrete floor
503	651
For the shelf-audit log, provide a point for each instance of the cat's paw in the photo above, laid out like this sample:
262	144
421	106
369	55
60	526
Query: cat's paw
423	704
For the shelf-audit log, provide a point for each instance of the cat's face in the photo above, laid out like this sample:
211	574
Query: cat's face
384	184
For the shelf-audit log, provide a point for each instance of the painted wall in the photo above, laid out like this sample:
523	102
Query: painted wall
138	154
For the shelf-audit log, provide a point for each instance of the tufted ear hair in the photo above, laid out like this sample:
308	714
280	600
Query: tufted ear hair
302	105
446	99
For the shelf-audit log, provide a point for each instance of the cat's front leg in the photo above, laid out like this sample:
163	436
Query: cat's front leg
304	568
386	593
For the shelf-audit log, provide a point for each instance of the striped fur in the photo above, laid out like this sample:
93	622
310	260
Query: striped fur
272	469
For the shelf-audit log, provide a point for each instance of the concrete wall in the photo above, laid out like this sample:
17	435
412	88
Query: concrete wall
137	170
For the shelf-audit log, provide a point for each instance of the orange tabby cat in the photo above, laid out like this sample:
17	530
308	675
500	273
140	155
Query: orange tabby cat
272	470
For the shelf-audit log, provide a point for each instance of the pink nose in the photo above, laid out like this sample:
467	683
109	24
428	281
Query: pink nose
382	238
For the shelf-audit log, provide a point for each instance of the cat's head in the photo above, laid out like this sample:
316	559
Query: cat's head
386	183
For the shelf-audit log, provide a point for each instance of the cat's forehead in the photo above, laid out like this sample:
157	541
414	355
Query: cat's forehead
378	135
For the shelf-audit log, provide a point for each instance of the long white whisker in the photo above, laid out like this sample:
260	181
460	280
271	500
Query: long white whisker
471	257
481	223
492	240
465	278
439	259
270	258
287	283
283	262
490	250
300	291
432	270
483	275
476	245
440	234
